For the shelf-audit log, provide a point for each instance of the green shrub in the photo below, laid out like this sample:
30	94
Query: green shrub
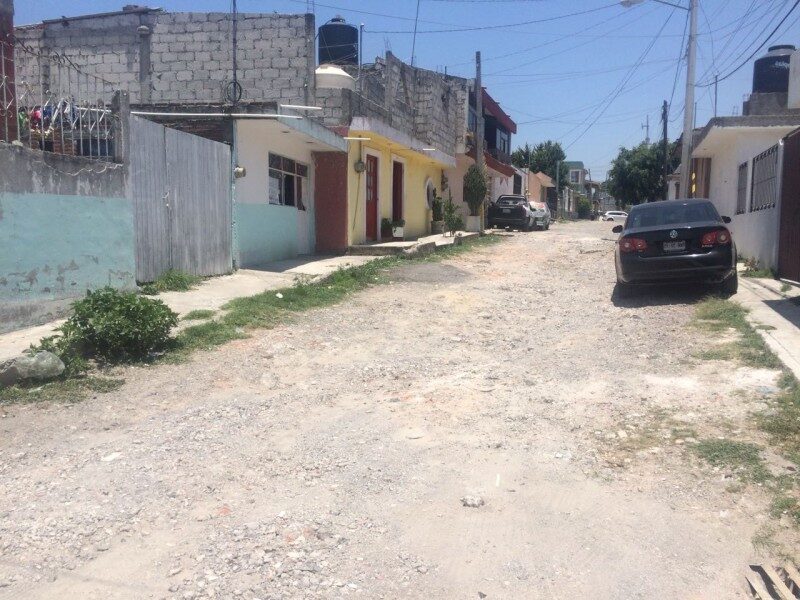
452	219
113	326
171	281
584	208
475	189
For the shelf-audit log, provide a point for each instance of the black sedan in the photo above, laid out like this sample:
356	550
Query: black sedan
675	241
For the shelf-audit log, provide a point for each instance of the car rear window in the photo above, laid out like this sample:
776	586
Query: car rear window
657	214
510	201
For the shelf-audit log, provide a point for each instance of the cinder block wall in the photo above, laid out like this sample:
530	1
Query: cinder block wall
8	121
183	57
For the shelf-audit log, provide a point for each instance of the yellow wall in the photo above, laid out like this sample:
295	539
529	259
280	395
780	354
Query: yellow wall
417	169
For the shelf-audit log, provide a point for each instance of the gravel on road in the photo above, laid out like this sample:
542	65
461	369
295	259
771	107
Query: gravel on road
498	424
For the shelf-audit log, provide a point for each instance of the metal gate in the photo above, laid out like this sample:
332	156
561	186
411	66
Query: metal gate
182	198
789	238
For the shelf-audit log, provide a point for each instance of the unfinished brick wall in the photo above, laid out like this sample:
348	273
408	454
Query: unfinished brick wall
427	105
164	57
8	114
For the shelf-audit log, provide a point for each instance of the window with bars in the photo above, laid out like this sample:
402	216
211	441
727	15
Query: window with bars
741	190
764	188
286	181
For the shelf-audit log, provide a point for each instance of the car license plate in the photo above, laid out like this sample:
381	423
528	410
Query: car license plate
506	210
675	246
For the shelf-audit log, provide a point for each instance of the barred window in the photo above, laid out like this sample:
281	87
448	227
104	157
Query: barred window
741	190
764	189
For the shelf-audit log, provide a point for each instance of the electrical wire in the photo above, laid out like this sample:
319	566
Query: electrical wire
760	46
505	25
618	90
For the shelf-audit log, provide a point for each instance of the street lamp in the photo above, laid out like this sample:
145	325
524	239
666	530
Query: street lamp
688	109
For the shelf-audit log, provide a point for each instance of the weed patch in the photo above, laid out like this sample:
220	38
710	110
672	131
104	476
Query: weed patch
60	390
782	422
716	315
198	315
786	505
171	281
741	457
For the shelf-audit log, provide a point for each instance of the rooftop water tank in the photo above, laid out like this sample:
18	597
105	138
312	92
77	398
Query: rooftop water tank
332	77
338	43
771	71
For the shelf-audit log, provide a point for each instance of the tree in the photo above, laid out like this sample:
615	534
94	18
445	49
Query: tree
542	157
637	174
520	158
475	189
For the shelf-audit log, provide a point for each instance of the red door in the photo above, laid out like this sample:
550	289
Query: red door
397	191
372	197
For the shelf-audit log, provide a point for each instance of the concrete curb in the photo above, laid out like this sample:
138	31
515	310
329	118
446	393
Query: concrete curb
774	310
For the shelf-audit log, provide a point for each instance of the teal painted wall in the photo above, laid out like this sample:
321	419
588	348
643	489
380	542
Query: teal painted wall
57	246
264	233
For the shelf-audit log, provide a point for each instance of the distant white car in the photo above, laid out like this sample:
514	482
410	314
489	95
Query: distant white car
541	215
615	215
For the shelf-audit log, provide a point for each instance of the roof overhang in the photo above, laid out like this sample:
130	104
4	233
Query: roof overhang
491	106
398	141
721	131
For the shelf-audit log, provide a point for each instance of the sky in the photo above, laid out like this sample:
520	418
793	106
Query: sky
586	73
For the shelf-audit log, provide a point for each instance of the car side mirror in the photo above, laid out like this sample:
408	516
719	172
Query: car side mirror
726	219
617	229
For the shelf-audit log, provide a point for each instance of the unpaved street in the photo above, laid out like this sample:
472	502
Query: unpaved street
328	458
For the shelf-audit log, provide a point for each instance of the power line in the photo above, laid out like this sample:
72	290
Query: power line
760	46
618	90
505	25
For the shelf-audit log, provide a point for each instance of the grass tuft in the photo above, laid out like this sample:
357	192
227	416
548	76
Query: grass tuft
786	505
718	314
60	390
198	315
742	457
171	281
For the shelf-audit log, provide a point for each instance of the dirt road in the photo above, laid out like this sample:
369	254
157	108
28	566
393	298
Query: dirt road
328	458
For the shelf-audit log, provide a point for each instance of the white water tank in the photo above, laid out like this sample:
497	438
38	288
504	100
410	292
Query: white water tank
332	77
794	80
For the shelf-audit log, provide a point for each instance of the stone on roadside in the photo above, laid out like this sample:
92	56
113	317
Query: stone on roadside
41	366
472	501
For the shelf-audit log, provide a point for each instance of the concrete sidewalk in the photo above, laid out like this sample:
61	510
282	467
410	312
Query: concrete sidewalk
779	310
212	294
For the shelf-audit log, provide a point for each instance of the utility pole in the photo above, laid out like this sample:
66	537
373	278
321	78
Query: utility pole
716	81
688	112
559	204
665	145
479	125
646	127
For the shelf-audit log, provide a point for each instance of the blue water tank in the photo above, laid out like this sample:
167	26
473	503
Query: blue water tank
338	43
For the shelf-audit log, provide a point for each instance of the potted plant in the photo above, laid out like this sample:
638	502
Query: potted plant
437	215
397	228
475	190
386	229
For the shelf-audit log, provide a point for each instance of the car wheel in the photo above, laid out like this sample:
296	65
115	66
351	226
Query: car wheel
730	286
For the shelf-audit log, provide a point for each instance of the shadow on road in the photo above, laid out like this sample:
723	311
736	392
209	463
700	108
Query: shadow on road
661	295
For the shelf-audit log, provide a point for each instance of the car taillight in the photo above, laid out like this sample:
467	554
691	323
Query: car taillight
632	245
719	237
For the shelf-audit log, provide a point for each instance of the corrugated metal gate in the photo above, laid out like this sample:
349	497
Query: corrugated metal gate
182	197
789	238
